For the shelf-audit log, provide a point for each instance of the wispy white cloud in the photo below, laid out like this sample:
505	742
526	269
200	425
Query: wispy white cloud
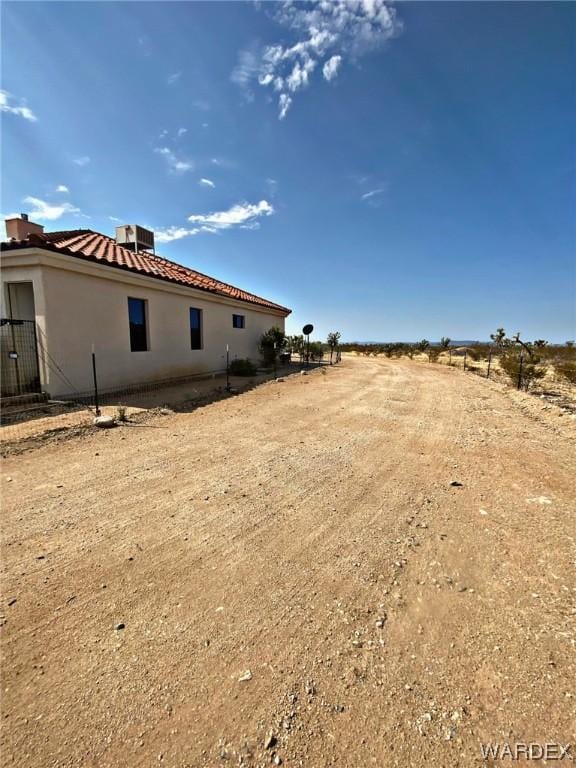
372	193
207	183
201	104
165	134
62	188
145	46
169	234
115	218
44	211
223	162
284	104
331	67
7	105
173	78
247	68
175	164
272	186
81	161
325	32
374	189
299	76
239	216
377	196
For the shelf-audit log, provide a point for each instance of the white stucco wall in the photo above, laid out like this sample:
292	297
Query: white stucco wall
79	303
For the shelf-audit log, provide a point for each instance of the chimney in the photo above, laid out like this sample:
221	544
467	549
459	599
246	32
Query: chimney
19	229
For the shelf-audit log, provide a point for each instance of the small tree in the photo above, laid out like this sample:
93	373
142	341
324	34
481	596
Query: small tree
445	342
296	345
271	344
526	346
333	340
423	345
523	369
499	337
540	343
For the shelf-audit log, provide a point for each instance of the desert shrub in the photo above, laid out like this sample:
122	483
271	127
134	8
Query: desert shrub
271	344
532	371
481	351
295	344
242	367
316	350
566	369
468	352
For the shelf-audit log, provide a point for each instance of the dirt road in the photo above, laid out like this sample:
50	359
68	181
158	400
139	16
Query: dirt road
290	577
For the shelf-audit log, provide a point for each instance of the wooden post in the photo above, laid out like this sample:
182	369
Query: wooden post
96	404
227	368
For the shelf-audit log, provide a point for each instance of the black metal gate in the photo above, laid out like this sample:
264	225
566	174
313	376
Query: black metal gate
19	373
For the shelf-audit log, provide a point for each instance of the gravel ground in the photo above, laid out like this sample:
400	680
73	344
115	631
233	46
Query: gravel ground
292	576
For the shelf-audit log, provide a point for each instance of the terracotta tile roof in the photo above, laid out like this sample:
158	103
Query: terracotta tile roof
93	246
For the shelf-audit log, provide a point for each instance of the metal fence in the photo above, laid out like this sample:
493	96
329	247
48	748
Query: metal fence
19	372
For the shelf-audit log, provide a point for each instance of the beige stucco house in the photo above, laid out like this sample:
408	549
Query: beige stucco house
149	319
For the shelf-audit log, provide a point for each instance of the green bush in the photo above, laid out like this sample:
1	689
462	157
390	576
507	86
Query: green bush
316	350
241	367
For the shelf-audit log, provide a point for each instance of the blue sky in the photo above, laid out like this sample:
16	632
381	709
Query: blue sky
390	172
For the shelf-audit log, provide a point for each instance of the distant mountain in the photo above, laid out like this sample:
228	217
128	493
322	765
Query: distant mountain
453	342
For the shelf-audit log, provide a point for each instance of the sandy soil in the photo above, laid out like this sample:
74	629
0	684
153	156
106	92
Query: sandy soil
52	421
289	577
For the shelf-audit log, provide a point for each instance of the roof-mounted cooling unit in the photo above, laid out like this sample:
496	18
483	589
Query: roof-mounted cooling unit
135	237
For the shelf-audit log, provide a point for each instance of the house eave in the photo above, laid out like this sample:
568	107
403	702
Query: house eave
23	255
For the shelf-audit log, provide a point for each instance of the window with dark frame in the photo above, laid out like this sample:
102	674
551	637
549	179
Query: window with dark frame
137	322
238	321
195	328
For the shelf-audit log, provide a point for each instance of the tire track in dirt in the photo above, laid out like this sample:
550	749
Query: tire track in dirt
329	509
